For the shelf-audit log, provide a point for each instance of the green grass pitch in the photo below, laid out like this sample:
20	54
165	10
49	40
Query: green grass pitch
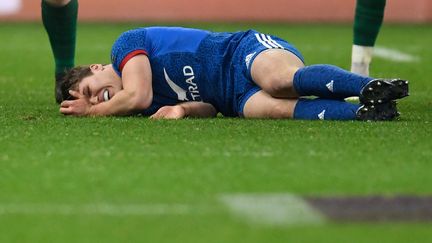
67	163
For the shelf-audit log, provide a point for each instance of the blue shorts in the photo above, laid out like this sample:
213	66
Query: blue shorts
248	49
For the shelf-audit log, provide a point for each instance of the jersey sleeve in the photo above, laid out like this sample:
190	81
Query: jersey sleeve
128	45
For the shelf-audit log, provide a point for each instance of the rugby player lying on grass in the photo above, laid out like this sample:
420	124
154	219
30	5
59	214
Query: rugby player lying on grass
171	72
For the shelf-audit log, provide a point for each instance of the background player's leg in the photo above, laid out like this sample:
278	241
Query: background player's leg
368	19
59	18
273	70
262	105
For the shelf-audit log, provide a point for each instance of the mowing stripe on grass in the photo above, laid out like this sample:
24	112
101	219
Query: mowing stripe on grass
377	208
272	209
394	55
98	209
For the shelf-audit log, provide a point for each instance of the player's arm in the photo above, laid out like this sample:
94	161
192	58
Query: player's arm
186	109
137	91
136	94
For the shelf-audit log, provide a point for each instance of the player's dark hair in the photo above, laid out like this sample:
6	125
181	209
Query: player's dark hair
72	78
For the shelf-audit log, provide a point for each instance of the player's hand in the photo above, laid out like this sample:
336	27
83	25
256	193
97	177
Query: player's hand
78	107
170	112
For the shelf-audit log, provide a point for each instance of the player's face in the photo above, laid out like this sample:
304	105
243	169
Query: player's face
102	85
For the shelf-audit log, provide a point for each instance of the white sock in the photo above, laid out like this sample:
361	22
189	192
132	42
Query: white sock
361	58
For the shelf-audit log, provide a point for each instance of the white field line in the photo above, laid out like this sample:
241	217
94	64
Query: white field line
258	209
98	209
394	55
272	209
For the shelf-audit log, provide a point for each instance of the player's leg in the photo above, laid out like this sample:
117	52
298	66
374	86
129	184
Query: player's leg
273	70
263	105
368	19
59	18
282	75
327	81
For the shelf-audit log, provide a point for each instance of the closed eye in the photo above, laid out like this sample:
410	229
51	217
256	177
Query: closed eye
88	92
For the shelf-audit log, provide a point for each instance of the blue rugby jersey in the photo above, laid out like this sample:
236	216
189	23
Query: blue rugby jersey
187	65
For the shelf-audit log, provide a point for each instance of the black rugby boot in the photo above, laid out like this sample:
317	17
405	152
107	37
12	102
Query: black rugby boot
379	91
379	112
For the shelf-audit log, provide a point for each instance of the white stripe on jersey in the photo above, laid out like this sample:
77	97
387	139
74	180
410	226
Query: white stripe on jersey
262	42
275	42
268	42
266	39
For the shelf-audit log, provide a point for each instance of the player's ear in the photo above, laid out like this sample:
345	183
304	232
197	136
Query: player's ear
96	67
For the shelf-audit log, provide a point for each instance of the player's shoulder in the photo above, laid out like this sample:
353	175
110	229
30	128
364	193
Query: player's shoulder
131	35
128	44
174	32
130	39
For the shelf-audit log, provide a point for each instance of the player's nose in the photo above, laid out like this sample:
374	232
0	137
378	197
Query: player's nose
94	100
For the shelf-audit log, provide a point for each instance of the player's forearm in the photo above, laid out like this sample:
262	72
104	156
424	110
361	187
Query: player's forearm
198	109
123	103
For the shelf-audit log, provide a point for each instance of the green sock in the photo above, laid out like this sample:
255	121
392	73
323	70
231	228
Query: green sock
60	24
369	16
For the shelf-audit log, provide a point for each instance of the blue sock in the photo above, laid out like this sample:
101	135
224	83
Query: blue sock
322	109
327	81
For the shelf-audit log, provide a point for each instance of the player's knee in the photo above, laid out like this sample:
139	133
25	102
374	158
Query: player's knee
57	3
279	111
278	82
